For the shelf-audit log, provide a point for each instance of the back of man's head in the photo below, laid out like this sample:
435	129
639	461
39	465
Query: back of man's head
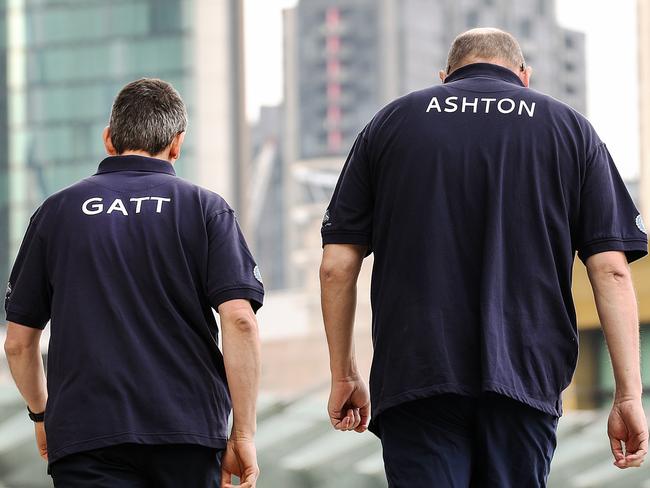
146	116
485	45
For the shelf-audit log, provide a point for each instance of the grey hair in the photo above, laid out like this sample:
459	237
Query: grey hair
485	44
146	115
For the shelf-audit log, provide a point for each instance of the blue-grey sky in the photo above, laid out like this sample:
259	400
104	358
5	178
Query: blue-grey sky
612	89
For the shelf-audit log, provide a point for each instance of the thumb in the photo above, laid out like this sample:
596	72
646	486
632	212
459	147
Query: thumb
335	412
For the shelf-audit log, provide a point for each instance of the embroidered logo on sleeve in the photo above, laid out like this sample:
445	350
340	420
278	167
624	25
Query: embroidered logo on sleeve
326	219
640	224
258	274
8	293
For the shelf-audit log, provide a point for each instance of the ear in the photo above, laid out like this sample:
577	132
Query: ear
108	144
442	74
175	146
525	75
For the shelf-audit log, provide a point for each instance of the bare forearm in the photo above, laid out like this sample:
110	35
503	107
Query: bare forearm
617	309
241	351
339	301
26	365
338	277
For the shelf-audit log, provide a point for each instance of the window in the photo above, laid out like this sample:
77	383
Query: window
569	42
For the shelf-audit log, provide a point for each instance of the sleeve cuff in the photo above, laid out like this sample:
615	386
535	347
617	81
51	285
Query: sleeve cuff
25	319
633	248
255	297
359	239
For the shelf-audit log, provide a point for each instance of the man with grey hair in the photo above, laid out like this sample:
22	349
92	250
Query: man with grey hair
127	266
474	197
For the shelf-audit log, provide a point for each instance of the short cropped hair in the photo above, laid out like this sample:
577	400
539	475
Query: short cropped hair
146	116
485	43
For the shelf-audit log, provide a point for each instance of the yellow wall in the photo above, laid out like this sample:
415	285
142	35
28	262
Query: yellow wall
584	300
580	392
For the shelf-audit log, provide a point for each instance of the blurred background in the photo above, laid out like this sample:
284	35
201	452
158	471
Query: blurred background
276	92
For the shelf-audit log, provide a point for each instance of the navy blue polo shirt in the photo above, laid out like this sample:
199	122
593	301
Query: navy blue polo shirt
474	197
128	265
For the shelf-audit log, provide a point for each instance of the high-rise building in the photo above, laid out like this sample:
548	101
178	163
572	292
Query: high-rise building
344	59
66	62
643	23
4	150
265	206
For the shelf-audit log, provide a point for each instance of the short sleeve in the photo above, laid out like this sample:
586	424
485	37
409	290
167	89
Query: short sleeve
232	272
29	292
608	220
348	219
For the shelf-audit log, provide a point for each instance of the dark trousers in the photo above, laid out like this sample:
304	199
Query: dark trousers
453	441
140	466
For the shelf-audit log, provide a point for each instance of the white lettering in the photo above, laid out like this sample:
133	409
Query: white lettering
449	101
502	101
160	202
473	104
96	207
138	203
117	205
530	110
434	104
488	101
464	104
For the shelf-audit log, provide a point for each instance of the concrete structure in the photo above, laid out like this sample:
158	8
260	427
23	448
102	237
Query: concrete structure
66	62
344	59
643	23
265	204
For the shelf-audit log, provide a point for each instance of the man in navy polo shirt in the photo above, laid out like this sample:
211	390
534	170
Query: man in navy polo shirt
127	266
474	197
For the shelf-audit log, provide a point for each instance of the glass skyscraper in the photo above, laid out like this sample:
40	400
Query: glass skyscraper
66	61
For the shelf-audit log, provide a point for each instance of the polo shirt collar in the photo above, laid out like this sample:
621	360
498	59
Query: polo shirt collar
135	163
484	70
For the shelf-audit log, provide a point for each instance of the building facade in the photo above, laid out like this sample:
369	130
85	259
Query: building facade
643	22
68	59
4	149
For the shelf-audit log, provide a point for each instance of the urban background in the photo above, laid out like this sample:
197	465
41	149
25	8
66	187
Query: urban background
334	63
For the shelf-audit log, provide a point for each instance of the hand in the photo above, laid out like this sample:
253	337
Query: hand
627	429
41	440
240	459
349	404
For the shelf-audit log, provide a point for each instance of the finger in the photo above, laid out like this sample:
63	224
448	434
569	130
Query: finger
226	478
362	427
617	449
340	424
364	412
337	421
251	477
632	444
248	482
357	419
635	459
350	417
